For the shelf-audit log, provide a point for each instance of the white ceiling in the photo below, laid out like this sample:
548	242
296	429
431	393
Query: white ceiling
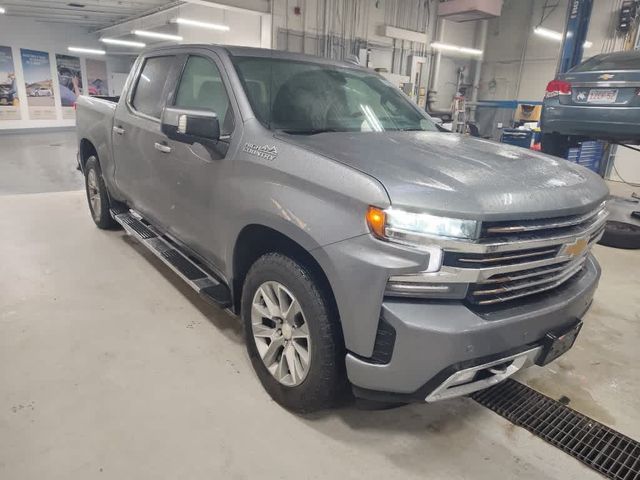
93	14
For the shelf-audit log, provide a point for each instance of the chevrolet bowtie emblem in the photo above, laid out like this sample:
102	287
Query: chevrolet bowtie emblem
606	76
576	248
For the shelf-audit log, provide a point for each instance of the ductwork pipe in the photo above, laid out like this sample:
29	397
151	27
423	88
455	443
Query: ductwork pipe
481	43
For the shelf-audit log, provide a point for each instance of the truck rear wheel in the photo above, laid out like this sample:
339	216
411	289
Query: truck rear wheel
97	194
293	336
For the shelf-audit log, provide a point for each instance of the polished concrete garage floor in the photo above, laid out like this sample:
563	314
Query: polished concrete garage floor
110	367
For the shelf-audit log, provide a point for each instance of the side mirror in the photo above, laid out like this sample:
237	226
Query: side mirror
190	125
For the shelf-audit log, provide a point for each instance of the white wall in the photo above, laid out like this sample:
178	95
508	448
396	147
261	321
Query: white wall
52	38
245	28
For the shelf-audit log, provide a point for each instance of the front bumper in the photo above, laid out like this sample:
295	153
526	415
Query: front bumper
434	340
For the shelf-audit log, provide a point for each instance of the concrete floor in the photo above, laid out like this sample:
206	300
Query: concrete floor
110	367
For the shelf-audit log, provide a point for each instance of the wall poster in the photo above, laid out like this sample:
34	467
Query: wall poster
39	84
97	77
9	101
70	82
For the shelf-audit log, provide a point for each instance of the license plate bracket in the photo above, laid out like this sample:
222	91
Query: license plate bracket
601	95
558	342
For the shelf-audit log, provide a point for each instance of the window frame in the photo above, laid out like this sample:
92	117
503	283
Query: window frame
138	73
174	97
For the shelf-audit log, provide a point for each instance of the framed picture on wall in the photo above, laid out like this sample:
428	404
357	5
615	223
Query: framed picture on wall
97	77
38	82
9	100
70	83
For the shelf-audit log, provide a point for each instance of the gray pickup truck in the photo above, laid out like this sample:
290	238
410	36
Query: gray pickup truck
361	246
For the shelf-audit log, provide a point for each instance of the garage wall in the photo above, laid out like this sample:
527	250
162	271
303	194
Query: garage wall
512	45
337	28
52	38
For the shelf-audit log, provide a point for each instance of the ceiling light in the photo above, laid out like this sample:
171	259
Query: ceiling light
196	23
545	32
162	36
557	36
126	43
454	48
86	50
2	10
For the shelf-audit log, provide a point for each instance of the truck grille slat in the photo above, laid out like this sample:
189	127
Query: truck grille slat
542	225
539	279
505	258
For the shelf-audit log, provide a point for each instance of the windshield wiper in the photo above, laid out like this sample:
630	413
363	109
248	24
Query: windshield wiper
310	131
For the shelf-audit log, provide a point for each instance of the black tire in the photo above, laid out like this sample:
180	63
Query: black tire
94	183
621	235
325	383
555	144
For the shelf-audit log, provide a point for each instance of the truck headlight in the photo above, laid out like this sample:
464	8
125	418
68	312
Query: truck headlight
418	229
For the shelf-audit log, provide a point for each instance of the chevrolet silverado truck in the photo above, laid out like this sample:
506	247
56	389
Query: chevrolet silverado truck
361	246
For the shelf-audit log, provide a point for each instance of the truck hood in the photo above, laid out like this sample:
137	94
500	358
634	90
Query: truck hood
466	177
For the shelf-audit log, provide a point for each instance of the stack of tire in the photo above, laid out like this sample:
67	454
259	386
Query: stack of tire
623	226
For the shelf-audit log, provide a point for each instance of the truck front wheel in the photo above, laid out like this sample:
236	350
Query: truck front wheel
97	194
293	336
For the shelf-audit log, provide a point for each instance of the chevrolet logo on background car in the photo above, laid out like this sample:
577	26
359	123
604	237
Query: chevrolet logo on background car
606	76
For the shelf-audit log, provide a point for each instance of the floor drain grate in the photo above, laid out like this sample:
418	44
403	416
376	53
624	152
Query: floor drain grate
614	455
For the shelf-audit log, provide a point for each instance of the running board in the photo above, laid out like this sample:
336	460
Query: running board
207	286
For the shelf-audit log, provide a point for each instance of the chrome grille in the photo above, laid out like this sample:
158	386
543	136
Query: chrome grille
501	288
543	226
528	258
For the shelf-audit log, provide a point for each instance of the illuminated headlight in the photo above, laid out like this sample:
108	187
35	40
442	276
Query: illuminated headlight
418	229
416	226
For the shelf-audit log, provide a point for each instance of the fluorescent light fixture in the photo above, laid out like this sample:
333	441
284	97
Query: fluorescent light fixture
2	10
126	43
545	32
158	35
87	50
197	23
557	36
455	48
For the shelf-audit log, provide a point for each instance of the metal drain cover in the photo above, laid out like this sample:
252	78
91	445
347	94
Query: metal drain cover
610	453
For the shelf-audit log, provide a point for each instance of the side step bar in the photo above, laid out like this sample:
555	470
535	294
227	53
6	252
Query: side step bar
207	286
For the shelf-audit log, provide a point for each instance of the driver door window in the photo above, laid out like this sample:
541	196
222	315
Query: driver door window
201	86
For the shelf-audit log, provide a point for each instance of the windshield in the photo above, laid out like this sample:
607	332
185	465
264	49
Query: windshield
610	61
306	98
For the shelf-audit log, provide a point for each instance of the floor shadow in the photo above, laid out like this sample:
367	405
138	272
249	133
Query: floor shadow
226	322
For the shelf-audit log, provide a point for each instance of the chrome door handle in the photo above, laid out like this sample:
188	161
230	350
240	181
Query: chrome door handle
162	148
118	130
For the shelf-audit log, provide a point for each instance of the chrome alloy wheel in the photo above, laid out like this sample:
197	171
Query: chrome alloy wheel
281	333
94	193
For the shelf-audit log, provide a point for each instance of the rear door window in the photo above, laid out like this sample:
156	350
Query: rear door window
201	86
148	98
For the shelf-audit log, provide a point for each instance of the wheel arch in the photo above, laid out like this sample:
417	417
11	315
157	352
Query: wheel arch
255	240
87	149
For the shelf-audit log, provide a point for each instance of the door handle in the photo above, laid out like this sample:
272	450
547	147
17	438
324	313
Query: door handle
162	148
118	130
